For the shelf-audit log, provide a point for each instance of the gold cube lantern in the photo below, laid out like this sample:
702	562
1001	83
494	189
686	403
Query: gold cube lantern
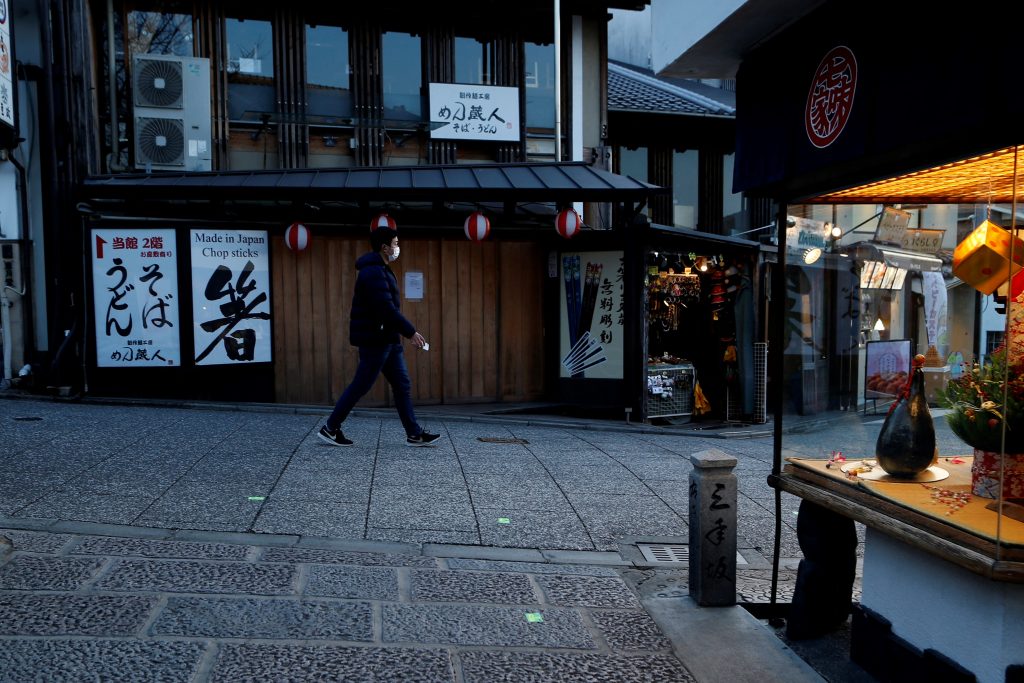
982	260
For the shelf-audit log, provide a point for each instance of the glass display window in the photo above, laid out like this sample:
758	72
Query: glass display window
250	69
402	74
328	74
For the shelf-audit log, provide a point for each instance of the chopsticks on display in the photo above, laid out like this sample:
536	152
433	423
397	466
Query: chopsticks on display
581	356
580	301
591	288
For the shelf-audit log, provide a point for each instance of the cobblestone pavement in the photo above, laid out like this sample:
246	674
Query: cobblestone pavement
155	543
83	607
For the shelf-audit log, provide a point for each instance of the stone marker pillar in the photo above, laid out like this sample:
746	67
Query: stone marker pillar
713	529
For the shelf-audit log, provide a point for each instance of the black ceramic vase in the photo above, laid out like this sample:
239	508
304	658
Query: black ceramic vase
906	444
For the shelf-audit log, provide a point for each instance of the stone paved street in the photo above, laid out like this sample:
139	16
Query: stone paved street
189	543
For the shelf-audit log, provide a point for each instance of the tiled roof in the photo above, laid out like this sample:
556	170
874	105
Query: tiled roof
537	181
633	90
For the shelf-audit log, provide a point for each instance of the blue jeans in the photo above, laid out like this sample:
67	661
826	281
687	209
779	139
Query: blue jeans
373	360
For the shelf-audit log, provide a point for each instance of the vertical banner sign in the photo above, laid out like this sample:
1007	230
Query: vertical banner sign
593	316
231	296
135	298
935	301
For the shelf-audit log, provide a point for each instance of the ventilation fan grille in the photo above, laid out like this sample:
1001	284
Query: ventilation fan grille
158	83
160	141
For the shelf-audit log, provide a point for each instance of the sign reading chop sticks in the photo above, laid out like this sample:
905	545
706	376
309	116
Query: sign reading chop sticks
592	315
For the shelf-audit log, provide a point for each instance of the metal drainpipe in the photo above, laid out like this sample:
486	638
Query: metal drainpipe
558	80
114	163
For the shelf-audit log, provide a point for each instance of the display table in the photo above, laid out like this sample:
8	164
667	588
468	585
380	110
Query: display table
935	579
908	512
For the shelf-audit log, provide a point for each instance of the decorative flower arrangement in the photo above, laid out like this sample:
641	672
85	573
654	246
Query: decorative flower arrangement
985	398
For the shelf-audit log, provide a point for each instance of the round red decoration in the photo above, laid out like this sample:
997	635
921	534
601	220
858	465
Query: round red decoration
830	97
383	221
296	237
477	226
568	223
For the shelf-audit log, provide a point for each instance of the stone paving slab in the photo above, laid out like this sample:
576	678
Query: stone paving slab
80	615
95	507
36	541
466	586
311	518
532	529
251	662
323	556
492	626
543	667
209	617
530	567
339	581
87	661
181	576
104	545
28	572
587	591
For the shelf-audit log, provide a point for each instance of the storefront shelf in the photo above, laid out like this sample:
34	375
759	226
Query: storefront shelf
670	390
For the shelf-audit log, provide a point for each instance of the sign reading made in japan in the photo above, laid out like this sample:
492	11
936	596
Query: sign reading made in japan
230	296
135	298
474	112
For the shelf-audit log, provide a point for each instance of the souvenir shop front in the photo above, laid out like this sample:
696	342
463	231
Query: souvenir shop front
700	334
942	574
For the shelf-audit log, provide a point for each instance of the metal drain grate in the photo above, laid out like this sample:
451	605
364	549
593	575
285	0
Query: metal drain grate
663	553
501	439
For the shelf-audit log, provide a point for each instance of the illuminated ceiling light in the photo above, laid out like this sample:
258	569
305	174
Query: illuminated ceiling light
979	179
879	325
812	255
836	232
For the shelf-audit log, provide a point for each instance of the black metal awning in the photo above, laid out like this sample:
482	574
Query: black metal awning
516	182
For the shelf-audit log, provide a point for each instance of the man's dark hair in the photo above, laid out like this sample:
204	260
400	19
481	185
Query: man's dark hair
382	236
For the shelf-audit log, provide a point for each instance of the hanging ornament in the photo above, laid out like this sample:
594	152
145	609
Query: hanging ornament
296	237
568	223
383	221
477	226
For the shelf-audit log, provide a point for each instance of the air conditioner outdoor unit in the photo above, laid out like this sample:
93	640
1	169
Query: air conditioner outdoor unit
171	112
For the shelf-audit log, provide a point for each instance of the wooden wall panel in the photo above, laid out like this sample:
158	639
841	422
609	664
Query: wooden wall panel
481	313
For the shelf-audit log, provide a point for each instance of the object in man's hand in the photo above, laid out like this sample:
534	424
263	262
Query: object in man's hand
426	346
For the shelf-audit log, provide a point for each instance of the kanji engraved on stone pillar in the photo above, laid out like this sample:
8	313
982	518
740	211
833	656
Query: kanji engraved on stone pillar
713	528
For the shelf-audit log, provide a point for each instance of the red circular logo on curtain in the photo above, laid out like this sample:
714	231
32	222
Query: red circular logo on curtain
830	98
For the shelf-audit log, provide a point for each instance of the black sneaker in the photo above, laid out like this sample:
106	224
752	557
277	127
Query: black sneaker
335	437
422	439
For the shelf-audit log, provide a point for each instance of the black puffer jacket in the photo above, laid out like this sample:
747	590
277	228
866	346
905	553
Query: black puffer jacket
376	319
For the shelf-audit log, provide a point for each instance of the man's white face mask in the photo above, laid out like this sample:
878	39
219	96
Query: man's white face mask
393	254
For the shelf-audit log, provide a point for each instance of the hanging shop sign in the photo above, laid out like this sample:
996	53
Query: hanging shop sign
6	66
474	112
230	296
805	234
892	225
924	241
135	298
592	315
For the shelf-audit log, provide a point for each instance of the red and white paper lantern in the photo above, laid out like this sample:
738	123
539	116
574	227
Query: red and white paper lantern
296	237
568	223
383	221
477	226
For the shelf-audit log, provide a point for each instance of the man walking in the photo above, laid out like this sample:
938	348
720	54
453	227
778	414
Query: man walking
376	327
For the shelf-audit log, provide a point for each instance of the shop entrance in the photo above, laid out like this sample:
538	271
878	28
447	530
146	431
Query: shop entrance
700	335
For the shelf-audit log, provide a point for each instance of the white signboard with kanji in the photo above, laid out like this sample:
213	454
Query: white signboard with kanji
6	66
474	112
593	314
231	296
135	298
